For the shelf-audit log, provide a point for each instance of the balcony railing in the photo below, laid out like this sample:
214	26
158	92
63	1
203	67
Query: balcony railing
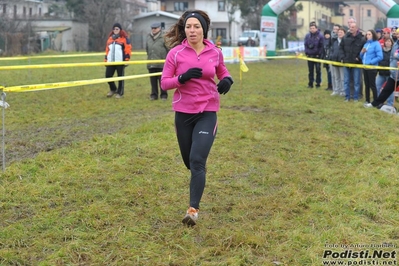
296	23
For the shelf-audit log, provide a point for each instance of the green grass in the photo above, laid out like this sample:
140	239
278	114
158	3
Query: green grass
97	181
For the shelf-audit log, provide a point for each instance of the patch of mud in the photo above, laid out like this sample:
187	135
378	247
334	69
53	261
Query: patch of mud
28	142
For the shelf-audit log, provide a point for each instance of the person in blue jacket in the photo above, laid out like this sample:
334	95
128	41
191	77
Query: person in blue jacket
371	54
391	82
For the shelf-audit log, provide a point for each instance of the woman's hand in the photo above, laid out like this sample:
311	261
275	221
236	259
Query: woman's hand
224	85
191	73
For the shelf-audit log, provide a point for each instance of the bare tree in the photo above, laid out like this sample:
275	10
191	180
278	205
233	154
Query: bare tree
11	35
101	15
232	7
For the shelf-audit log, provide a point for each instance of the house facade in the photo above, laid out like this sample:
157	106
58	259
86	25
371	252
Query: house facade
142	26
63	35
44	25
137	7
324	14
24	9
366	14
327	14
225	25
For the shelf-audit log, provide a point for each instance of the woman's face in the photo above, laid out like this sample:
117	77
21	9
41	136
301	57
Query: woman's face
194	31
388	43
369	35
116	30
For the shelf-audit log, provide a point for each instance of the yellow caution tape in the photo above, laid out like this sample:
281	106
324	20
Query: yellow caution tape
137	62
50	86
300	56
281	57
60	56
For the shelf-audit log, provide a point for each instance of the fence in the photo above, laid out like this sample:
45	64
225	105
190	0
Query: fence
232	55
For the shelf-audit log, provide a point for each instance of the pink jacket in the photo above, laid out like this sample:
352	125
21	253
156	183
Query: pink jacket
196	95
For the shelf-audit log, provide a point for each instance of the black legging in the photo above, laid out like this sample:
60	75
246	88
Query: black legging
120	70
369	83
195	135
385	93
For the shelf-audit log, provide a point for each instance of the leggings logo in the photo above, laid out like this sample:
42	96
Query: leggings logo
203	132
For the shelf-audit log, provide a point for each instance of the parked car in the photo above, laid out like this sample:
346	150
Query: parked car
249	38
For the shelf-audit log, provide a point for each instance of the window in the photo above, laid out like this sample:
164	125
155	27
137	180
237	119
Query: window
15	11
24	11
181	6
221	6
4	8
351	12
221	32
40	11
30	11
369	12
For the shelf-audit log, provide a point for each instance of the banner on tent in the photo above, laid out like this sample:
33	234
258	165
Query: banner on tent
247	53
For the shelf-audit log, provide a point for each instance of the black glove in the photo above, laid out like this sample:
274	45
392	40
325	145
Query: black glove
224	85
191	73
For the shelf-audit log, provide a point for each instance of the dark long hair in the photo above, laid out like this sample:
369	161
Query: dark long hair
373	34
176	34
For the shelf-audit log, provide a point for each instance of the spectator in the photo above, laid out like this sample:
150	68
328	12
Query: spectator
349	50
190	67
383	74
118	49
314	41
394	33
371	54
352	20
392	81
326	56
337	71
251	42
396	93
334	36
379	34
386	34
156	50
334	32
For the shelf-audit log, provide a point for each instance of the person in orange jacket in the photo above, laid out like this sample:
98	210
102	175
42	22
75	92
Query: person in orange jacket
118	49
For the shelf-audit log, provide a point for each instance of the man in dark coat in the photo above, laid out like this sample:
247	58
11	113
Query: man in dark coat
156	50
314	46
349	52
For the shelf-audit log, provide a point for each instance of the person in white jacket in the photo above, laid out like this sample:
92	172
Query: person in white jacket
117	49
